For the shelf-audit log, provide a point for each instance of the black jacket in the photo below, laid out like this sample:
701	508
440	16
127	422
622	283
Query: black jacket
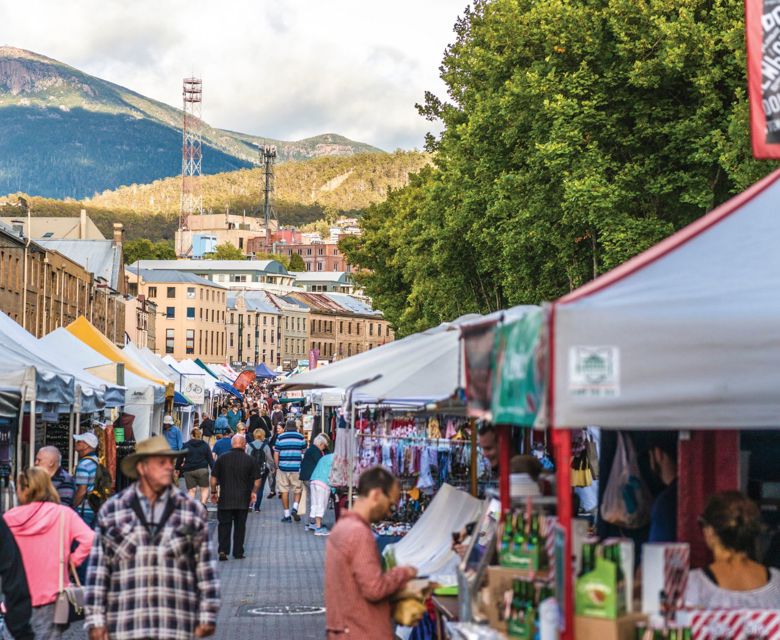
207	426
198	456
14	581
309	462
236	473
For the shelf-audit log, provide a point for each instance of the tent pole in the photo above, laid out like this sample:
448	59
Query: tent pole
19	461
352	439
562	444
77	427
32	433
68	466
474	458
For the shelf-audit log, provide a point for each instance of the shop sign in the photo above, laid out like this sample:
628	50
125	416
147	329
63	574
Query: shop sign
194	387
519	370
594	372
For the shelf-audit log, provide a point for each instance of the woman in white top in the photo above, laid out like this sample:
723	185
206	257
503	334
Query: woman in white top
731	524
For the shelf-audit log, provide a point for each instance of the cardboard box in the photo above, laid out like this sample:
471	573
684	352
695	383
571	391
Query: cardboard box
492	601
665	568
622	628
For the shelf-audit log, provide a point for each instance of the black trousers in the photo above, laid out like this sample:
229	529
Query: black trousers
235	520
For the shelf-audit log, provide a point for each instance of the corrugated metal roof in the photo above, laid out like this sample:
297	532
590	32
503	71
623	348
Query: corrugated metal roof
341	277
226	266
296	303
174	277
100	257
255	301
353	304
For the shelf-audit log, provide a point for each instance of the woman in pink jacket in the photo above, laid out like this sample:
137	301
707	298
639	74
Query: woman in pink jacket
41	527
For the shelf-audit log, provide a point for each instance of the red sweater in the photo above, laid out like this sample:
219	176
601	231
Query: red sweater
357	593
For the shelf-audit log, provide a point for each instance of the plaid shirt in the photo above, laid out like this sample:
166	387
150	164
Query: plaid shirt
144	588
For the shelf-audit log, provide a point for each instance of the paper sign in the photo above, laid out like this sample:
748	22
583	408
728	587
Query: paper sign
594	372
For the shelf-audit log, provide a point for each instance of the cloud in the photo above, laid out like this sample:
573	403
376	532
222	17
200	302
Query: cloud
284	69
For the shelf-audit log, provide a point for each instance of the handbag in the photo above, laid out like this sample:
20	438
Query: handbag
69	605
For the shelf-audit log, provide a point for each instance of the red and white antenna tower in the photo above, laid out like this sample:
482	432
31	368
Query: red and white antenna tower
191	158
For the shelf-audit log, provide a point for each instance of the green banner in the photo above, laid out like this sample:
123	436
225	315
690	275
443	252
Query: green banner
518	371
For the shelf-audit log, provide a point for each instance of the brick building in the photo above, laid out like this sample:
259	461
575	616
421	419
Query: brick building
190	313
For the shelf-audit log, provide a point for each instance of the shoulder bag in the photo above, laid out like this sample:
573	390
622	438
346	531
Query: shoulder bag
69	605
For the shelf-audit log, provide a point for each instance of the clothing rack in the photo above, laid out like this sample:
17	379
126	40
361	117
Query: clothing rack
413	438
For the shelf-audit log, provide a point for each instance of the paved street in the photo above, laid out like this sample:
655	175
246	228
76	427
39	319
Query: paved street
283	568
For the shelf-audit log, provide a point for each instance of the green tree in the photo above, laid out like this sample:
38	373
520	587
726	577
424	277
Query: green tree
144	249
575	135
296	263
226	251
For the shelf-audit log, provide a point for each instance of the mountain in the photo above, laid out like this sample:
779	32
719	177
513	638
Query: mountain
66	134
305	192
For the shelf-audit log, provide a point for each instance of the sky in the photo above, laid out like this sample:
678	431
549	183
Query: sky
286	69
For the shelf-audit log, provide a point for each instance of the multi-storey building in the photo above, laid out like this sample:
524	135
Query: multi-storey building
268	275
42	289
342	326
317	256
141	321
191	313
206	231
324	281
254	330
294	319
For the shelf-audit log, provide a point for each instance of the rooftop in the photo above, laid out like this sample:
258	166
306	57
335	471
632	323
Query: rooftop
255	301
353	304
203	266
58	228
341	277
168	276
100	257
337	303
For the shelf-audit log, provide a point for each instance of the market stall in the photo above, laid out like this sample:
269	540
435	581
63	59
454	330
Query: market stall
685	336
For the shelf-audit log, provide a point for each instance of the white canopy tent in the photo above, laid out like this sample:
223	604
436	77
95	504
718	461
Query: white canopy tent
143	398
685	335
154	364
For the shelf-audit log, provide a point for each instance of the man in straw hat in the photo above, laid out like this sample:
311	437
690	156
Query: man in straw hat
151	573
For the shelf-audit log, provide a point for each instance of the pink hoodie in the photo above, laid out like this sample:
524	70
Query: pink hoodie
36	529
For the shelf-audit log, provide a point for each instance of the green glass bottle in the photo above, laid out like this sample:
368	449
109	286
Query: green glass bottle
687	633
588	561
518	546
506	538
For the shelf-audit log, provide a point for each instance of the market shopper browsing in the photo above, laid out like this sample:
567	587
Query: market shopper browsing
731	525
288	454
357	592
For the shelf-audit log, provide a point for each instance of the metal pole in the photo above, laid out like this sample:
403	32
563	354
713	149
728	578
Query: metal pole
68	466
32	433
78	430
19	434
474	458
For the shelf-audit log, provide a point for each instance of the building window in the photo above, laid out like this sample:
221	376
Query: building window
169	340
171	292
170	312
189	345
190	313
349	328
191	293
379	330
371	328
152	292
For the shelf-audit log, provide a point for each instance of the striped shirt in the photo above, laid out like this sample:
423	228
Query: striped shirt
85	477
290	446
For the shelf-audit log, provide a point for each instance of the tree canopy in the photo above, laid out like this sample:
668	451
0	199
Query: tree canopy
575	135
226	251
143	249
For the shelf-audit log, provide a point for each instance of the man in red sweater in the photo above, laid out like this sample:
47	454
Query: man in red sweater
357	592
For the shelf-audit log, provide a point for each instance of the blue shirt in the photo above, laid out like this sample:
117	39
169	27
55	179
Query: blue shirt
221	425
222	446
663	517
322	470
233	418
85	477
290	445
173	436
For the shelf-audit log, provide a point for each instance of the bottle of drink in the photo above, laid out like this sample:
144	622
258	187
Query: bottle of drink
519	539
687	633
506	538
588	558
517	600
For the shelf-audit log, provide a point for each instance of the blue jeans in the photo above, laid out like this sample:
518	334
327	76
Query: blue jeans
259	500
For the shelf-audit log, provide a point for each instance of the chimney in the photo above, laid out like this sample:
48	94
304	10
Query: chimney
83	225
18	227
119	232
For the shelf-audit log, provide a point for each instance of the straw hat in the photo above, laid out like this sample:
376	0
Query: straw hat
156	446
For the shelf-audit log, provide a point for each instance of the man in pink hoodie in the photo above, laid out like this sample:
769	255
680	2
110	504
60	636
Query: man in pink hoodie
357	593
43	529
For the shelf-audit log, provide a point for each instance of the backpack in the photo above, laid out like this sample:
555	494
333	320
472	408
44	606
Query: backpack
102	488
258	453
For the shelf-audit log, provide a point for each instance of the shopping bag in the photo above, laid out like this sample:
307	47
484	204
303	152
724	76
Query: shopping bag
626	501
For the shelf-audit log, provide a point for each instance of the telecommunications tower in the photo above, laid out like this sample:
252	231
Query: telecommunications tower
268	156
191	160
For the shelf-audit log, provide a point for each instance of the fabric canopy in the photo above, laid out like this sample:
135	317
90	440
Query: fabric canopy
421	368
89	335
685	335
180	400
261	371
23	364
205	367
149	361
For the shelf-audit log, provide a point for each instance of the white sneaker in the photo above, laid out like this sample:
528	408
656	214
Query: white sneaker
311	527
322	531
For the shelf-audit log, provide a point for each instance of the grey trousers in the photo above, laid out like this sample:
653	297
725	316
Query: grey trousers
42	623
